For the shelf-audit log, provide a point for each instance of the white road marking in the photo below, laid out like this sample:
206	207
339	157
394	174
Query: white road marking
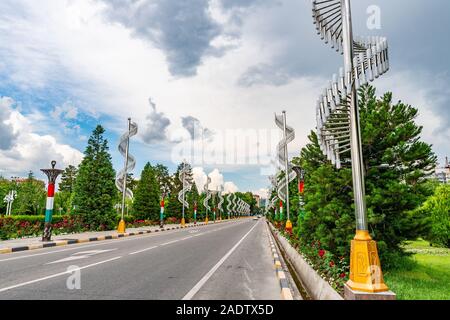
170	242
55	275
82	245
81	255
143	250
206	277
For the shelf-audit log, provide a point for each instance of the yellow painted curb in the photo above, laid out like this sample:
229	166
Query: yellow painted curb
6	250
61	243
101	238
286	293
83	240
35	246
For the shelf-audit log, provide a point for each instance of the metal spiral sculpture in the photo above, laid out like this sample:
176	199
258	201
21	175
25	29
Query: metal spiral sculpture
221	199
235	204
208	194
368	59
284	163
129	159
186	186
230	198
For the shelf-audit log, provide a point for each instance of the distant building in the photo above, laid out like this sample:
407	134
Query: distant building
442	174
258	200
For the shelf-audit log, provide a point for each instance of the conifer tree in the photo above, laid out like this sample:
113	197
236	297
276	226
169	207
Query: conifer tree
95	189
396	166
147	196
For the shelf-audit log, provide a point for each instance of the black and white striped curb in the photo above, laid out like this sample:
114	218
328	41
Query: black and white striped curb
286	293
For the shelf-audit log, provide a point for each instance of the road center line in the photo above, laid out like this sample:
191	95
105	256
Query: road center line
55	275
143	250
206	277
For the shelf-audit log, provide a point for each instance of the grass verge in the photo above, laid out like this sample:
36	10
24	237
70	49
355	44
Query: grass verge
423	276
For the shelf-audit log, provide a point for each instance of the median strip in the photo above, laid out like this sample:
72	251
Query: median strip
286	293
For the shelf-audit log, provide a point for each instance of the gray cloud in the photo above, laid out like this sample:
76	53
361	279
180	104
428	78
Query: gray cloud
182	29
7	135
194	127
156	126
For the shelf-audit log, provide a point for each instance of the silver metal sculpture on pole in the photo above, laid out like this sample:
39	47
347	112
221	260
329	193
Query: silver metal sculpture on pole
229	203
338	125
186	187
130	163
207	198
284	164
221	201
9	199
235	205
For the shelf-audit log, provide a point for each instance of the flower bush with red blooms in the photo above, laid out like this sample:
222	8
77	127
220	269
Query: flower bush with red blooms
332	269
32	226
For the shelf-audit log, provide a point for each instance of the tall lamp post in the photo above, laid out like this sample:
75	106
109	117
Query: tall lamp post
52	174
161	213
338	126
283	158
130	163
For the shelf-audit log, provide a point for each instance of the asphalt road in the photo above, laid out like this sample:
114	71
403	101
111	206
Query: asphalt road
230	260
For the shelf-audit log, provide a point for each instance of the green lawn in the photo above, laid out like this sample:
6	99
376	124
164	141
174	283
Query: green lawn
428	278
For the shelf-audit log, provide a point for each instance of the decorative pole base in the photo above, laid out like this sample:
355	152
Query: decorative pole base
122	226
183	222
365	268
47	232
289	226
206	220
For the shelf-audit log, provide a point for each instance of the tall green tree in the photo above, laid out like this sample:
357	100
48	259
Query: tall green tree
31	196
396	166
147	195
68	179
95	189
436	212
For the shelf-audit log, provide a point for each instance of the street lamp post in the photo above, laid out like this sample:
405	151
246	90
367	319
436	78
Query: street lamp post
195	212
161	214
338	125
129	164
52	174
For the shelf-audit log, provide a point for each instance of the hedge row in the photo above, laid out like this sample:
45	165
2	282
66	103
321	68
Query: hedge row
32	226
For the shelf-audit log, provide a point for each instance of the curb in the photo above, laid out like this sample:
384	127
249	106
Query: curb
286	293
59	243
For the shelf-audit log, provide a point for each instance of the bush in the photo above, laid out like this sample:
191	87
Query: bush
437	212
32	226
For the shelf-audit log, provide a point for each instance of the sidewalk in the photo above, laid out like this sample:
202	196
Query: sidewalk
16	245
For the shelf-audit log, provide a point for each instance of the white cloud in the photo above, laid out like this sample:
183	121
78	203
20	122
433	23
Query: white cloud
217	180
32	151
263	193
230	187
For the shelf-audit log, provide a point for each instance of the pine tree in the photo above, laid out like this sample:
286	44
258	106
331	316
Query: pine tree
95	189
396	166
68	179
147	196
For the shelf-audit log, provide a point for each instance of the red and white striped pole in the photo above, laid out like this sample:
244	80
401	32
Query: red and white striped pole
281	210
52	175
161	215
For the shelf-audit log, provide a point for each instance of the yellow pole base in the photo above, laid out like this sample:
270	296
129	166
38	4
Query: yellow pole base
183	223
122	226
365	267
288	226
206	220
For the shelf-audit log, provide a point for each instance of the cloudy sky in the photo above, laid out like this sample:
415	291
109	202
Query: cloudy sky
195	75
